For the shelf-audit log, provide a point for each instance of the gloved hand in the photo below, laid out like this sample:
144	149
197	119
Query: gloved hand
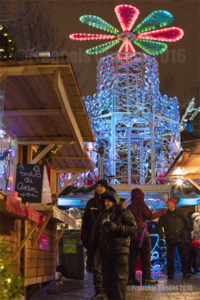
109	226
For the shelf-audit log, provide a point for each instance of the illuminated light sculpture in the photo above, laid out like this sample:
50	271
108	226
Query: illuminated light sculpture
136	128
147	35
189	115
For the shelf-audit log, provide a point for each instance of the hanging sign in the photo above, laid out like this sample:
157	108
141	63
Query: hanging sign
28	184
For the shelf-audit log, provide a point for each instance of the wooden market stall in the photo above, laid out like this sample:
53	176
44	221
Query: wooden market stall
187	166
43	106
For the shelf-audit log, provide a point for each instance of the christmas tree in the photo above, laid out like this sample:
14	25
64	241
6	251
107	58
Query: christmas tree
8	47
11	285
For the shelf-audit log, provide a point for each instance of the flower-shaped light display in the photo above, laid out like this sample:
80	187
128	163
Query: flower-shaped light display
148	35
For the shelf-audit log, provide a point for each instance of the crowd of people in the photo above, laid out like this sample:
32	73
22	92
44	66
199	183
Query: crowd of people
115	235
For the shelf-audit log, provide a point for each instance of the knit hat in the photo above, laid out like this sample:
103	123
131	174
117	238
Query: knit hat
102	182
122	200
172	200
110	196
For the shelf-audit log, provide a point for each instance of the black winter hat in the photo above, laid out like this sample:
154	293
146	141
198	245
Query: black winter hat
110	196
102	182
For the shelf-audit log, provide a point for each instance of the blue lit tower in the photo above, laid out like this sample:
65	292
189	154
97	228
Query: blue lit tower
136	128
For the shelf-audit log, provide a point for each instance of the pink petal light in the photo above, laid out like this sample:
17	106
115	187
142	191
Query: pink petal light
91	36
127	15
171	34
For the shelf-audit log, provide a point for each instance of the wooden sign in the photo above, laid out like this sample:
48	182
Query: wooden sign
28	184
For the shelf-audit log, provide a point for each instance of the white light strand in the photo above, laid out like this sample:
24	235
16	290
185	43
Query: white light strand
190	113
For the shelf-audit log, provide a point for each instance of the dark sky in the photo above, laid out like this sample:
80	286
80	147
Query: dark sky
179	66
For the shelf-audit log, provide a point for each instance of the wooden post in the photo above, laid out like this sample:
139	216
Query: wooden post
61	233
27	236
29	154
48	217
42	154
197	186
53	181
67	183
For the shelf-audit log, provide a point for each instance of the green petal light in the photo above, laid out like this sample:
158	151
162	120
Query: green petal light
156	19
102	48
151	47
97	22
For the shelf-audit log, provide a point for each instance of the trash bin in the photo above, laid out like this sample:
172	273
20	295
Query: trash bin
72	255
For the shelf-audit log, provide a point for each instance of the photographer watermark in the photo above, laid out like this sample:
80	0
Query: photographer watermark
162	288
176	55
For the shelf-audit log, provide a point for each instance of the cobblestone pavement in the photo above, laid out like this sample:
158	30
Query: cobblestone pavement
177	289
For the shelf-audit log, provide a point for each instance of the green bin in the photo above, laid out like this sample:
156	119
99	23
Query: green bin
72	254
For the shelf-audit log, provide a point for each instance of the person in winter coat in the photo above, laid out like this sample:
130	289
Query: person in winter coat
194	243
93	211
141	242
115	227
176	228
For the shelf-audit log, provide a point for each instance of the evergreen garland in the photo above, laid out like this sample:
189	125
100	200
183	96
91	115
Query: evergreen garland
48	156
71	189
11	285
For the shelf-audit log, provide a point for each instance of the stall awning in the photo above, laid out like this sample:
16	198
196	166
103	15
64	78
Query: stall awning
187	166
43	106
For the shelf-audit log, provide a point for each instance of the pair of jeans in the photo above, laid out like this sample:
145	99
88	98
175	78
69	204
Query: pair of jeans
145	254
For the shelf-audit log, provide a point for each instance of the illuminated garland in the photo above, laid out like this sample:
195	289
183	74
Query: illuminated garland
147	35
8	47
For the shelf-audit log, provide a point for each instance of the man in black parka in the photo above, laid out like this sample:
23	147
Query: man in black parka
93	211
176	229
115	227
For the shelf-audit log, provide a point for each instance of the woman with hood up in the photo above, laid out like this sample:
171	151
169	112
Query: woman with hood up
116	225
141	242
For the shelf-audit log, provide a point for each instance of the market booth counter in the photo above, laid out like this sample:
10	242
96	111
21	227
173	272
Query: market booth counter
41	250
32	235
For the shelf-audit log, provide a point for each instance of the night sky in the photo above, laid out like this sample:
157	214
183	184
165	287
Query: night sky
179	66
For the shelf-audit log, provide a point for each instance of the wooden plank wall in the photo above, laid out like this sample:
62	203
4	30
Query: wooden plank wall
39	266
10	231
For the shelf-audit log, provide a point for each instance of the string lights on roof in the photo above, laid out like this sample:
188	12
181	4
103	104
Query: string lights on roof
147	35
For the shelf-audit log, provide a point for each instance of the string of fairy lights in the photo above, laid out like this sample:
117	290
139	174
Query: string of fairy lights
8	46
148	35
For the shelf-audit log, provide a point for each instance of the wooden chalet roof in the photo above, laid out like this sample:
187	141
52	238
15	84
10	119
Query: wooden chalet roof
43	105
187	166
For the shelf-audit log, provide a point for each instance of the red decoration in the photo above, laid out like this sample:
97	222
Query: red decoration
195	243
91	36
171	34
20	209
127	15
